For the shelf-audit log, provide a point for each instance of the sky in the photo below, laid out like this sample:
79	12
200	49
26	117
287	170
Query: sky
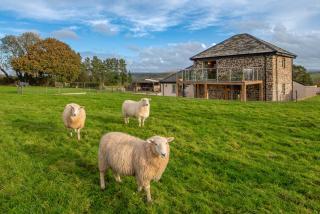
161	36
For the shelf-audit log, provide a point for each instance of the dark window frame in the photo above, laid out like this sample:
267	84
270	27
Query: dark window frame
173	89
283	88
283	62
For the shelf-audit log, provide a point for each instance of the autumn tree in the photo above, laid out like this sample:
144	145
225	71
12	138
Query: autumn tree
13	47
49	58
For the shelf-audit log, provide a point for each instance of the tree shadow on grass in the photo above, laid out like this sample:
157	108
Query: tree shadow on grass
27	125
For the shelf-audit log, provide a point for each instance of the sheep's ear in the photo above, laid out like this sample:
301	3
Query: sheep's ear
82	107
150	141
170	139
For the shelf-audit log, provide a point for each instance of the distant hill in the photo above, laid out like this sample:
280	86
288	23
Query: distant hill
143	76
315	75
313	70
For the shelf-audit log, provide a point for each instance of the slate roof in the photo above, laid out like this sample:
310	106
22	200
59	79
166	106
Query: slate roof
169	79
241	44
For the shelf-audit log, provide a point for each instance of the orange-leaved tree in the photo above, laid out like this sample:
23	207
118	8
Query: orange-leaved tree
51	58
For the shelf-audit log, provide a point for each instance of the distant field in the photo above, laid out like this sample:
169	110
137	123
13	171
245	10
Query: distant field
315	77
228	157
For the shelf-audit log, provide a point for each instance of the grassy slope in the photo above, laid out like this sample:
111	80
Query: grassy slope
227	156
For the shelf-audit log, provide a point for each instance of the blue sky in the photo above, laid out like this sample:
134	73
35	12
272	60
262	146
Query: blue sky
158	36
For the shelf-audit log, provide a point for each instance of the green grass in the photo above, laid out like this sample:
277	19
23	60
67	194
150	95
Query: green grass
227	157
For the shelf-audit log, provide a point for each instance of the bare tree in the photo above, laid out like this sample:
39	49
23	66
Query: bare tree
13	47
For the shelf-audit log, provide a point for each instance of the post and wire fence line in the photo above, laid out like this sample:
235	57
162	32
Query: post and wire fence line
72	88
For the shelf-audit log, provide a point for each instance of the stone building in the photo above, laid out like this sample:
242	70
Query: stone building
241	67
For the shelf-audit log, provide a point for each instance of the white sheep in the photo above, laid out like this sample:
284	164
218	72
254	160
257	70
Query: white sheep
74	117
140	110
126	155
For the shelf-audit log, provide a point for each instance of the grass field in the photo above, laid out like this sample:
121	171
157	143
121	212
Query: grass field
227	157
315	77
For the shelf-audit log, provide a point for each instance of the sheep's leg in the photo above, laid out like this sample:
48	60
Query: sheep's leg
102	181
117	177
78	132
147	190
139	188
102	168
140	120
70	132
143	119
126	120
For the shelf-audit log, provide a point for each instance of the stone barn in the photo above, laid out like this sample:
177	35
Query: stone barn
242	67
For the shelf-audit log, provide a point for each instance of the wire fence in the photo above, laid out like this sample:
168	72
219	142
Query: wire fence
67	90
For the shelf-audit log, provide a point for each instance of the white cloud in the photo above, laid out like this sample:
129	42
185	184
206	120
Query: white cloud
304	44
104	26
65	33
300	18
160	59
100	55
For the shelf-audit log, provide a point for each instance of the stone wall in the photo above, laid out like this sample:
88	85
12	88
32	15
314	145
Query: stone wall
283	78
237	64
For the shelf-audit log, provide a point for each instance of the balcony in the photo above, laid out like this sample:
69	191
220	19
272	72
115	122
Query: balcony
221	74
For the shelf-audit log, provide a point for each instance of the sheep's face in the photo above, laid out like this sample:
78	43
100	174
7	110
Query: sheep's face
75	111
160	145
145	101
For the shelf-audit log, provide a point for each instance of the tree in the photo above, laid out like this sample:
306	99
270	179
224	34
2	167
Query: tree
14	47
129	77
123	72
49	58
301	75
3	64
85	71
110	71
98	71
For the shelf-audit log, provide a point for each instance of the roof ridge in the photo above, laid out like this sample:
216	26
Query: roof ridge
261	41
272	46
243	43
215	45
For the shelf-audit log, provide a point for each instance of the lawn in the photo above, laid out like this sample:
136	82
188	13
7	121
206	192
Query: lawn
227	157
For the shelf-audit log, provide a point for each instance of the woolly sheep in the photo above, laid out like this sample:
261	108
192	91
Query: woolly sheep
126	155
74	117
140	110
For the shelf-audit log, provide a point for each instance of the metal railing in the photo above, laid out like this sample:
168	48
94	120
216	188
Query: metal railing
221	74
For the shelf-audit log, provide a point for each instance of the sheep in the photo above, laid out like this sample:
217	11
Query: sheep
127	155
74	117
140	110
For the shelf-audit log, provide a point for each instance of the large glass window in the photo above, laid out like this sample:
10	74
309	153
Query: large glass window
211	67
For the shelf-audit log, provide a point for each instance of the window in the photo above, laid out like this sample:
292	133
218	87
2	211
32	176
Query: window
283	88
283	62
173	88
248	74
